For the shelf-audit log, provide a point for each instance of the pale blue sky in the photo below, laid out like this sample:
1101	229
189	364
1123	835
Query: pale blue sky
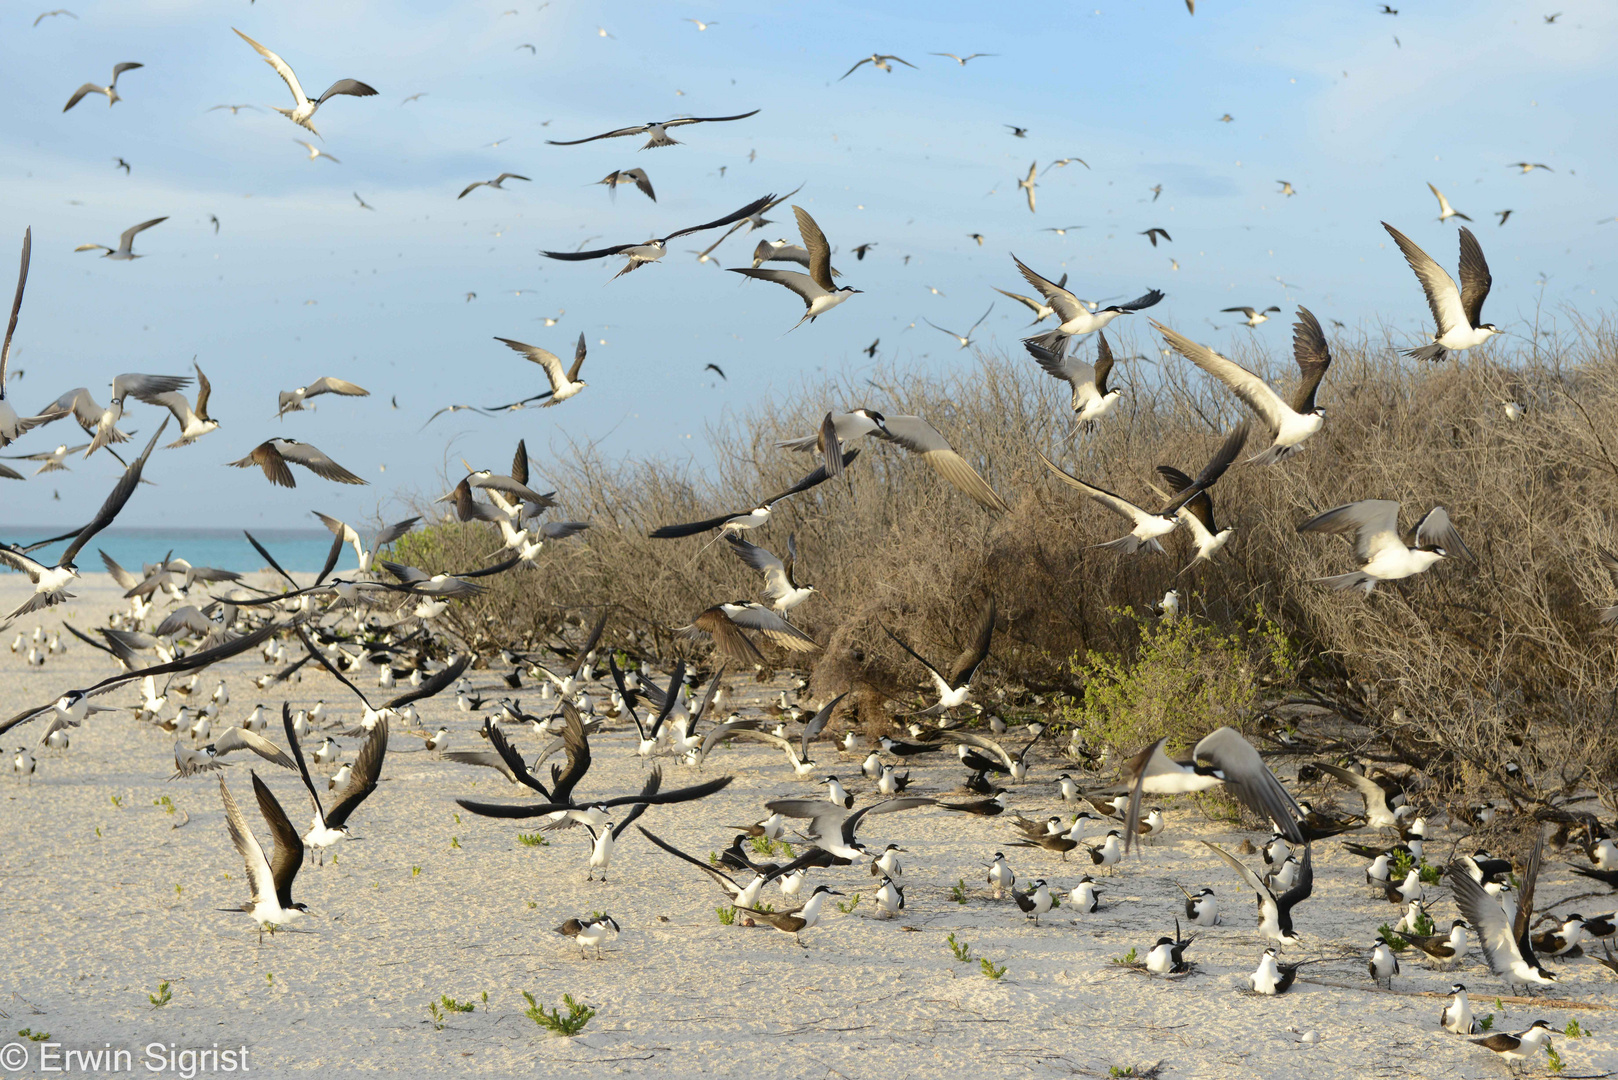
1320	94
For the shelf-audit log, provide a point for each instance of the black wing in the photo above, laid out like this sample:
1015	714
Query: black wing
512	758
590	642
362	780
581	256
297	756
749	210
577	746
432	686
515	810
288	855
115	502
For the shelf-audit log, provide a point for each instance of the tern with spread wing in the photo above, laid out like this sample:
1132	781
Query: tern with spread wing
816	289
497	182
1076	318
273	456
1379	550
638	177
833	828
659	130
1231	762
384	536
303	110
1506	940
1092	399
110	90
912	433
1275	912
565	382
1457	310
781	588
1290	423
293	400
649	251
742	520
329	827
12	425
954	688
878	61
269	879
124	252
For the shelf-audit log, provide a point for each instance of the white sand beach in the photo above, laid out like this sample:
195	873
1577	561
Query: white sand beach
106	893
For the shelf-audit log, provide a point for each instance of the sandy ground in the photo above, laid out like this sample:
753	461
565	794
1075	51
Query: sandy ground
105	895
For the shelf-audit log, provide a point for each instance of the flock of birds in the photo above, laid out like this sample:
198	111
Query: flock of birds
383	615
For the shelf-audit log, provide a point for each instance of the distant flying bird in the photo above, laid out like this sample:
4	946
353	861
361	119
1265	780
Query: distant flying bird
1019	132
650	251
124	252
292	400
1028	185
1503	215
413	97
816	288
1156	191
303	111
657	130
273	455
497	182
700	25
1552	18
1252	315
1445	210
877	60
363	204
1153	233
122	164
870	350
214	218
961	60
234	109
964	339
1062	230
1227	119
716	369
1386	10
1041	311
1290	422
1457	311
1286	188
58	11
1380	551
564	384
530	48
1063	162
111	89
976	236
1528	167
638	177
316	152
859	252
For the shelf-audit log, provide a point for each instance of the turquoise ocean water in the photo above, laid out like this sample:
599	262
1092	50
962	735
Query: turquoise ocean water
297	550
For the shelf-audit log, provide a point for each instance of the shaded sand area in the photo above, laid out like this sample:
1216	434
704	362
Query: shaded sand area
105	894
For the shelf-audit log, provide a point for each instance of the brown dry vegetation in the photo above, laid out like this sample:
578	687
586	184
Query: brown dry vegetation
1471	665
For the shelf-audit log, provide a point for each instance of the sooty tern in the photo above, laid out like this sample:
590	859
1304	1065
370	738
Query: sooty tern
269	879
303	110
1077	319
1275	912
111	89
1505	940
658	131
1092	399
126	240
648	251
954	688
1232	761
1457	310
816	289
1378	549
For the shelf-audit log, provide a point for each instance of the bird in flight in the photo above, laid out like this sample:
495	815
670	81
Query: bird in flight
1252	315
564	383
700	25
1028	185
1445	210
1019	132
111	89
652	250
413	97
1286	188
273	455
816	288
316	152
964	339
1503	215
1153	233
363	204
961	60
122	164
1529	166
58	11
658	130
638	177
234	109
302	112
878	60
124	251
1457	311
497	182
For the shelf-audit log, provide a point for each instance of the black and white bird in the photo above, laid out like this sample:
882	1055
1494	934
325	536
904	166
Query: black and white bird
303	110
742	520
1457	310
1383	965
1379	814
816	289
1521	1046
110	90
1150	526
269	879
955	687
124	252
194	422
1505	938
781	588
912	433
1274	912
188	762
833	828
366	554
1252	316
1457	1015
1167	956
51	582
658	130
1202	908
1076	318
638	177
880	62
966	338
292	400
565	382
1092	398
1272	977
273	456
1445	210
796	920
649	251
1379	550
1290	423
497	182
1447	950
1035	902
591	933
1000	876
1232	761
330	827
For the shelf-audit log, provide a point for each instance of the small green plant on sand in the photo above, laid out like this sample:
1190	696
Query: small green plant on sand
33	1036
162	997
1574	1031
553	1021
727	915
957	891
1130	957
532	839
850	905
991	969
1553	1060
961	949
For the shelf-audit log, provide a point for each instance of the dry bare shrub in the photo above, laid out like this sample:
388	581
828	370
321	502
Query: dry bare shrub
1462	669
